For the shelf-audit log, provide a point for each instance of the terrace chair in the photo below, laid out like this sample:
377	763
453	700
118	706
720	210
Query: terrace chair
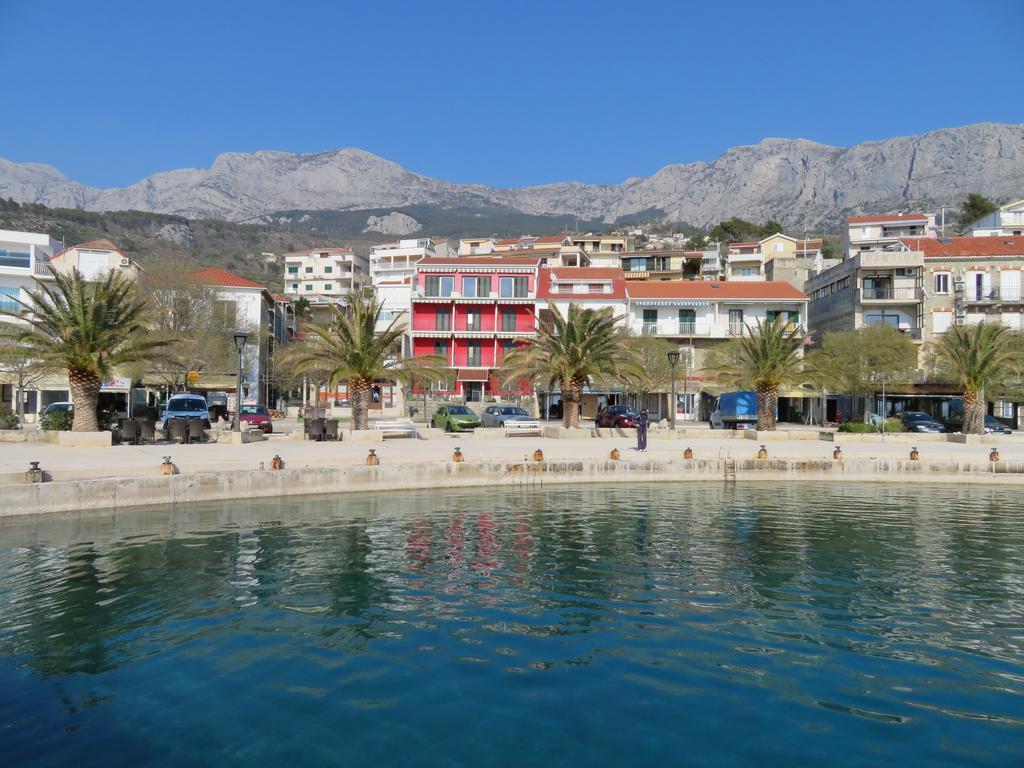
177	431
196	431
147	430
129	431
331	429
316	429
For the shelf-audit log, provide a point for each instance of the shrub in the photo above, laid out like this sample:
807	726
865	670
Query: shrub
57	421
856	427
8	419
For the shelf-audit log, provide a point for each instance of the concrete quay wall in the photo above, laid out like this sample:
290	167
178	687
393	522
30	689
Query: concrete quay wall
503	476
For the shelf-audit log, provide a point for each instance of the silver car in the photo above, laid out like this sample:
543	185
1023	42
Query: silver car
509	418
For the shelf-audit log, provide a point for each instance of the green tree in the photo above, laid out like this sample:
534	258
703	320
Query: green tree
18	367
349	349
855	363
767	357
973	208
828	249
655	374
698	242
89	329
571	350
981	359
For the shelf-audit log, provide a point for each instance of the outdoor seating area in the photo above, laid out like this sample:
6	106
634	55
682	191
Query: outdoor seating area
140	430
320	429
136	431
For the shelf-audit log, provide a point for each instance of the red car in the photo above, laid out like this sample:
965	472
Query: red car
618	416
257	416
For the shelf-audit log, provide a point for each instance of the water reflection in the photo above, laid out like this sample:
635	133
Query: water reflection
795	611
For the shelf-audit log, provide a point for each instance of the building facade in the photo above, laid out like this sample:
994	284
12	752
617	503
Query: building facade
876	233
324	275
1007	221
472	312
95	259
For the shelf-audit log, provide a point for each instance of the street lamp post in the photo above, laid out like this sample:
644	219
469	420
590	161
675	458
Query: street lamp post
673	360
240	338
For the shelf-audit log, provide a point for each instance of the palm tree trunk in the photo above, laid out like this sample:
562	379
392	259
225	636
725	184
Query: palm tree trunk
572	394
359	393
767	401
85	396
974	413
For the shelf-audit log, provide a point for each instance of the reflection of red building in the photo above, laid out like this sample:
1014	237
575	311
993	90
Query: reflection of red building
472	311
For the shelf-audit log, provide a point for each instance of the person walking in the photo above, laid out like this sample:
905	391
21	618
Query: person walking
641	431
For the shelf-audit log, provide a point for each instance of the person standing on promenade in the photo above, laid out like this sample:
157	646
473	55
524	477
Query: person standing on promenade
641	431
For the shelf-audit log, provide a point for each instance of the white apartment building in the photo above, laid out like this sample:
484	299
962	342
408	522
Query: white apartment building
23	256
324	275
1007	221
876	233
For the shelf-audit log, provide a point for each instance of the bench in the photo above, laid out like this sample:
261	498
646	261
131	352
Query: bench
395	428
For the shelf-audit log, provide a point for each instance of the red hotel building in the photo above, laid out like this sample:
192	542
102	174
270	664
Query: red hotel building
472	311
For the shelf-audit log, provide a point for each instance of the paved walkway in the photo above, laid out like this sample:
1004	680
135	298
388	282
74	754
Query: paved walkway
127	460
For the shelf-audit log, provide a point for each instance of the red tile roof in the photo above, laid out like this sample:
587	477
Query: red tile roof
966	247
550	239
703	289
214	276
497	260
744	244
581	274
891	217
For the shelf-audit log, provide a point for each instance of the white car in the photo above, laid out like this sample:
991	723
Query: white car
511	418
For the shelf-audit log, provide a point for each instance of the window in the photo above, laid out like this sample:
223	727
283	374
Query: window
596	288
473	287
650	321
442	349
687	320
473	320
328	270
437	285
14	259
309	286
942	282
735	321
941	321
474	354
309	270
93	264
513	287
777	247
8	299
745	272
443	319
327	286
293	270
295	287
508	320
1009	285
508	346
225	313
881	318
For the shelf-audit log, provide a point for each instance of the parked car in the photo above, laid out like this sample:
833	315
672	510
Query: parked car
509	417
995	426
623	416
455	418
919	421
257	416
186	406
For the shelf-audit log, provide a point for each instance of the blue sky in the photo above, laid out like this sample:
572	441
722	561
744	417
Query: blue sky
501	93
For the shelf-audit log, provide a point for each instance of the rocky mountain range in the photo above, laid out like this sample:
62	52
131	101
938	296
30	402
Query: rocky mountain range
797	182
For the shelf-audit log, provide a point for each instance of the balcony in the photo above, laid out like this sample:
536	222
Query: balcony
737	329
649	329
993	295
895	295
687	328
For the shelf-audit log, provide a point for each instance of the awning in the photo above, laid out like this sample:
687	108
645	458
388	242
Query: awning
715	389
474	374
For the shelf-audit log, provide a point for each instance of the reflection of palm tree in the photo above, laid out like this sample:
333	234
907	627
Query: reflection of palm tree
355	588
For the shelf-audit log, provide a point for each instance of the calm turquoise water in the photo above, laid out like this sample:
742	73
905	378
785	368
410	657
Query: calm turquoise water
602	625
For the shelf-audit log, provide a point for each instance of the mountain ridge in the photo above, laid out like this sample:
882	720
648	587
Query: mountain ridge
799	182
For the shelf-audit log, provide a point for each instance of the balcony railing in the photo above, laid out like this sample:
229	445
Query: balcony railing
687	328
737	329
649	329
974	295
41	268
890	294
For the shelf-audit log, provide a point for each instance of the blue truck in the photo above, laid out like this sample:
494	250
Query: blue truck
735	410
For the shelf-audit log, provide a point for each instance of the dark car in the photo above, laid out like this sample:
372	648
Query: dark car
995	426
257	416
919	421
618	416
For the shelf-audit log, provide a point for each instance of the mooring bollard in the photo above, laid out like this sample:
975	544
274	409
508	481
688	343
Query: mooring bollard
688	453
993	455
372	459
614	455
277	462
538	455
34	473
837	454
457	455
914	455
762	453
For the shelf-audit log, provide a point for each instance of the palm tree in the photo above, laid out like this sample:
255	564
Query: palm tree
570	351
979	358
89	329
351	350
768	356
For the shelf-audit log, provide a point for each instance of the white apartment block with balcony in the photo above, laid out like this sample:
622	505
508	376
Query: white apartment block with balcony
1007	221
324	275
877	233
23	256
